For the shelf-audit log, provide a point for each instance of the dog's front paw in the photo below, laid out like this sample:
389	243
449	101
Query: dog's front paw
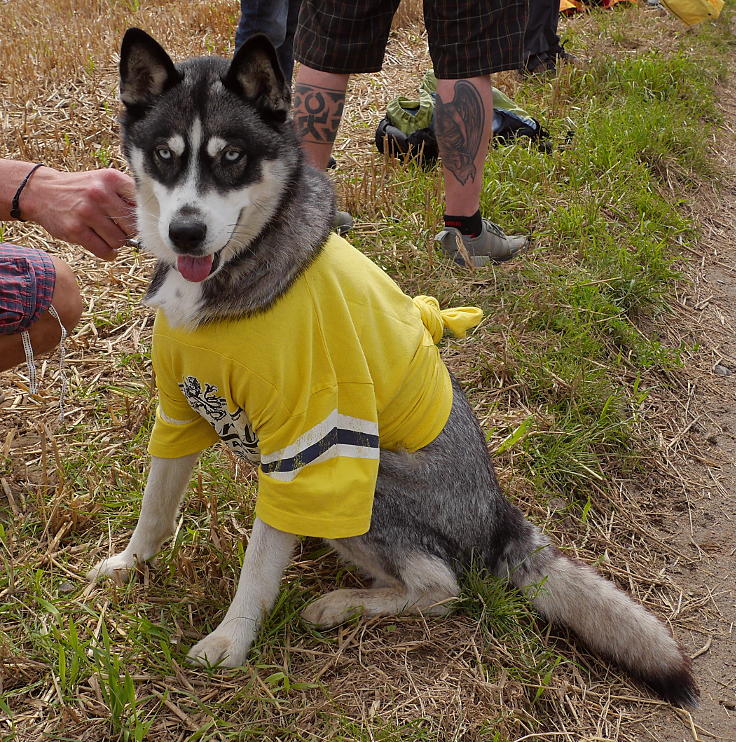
220	648
333	609
120	567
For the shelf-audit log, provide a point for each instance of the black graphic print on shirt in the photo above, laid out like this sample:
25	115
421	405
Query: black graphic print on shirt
234	428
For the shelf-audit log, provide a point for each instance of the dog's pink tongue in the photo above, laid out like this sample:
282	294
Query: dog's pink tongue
194	269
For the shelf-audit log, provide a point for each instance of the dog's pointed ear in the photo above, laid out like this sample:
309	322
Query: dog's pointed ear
255	73
146	70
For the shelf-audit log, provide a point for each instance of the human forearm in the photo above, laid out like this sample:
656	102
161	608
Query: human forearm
12	173
92	208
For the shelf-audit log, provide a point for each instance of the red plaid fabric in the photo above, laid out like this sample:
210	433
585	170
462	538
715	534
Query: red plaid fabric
467	38
27	279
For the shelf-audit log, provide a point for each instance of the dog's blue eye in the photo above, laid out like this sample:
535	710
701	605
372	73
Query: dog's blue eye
163	153
232	155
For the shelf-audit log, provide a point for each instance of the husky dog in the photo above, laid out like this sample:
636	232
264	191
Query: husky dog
238	223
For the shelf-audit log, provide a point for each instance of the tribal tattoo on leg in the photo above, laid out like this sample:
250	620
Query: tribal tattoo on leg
317	112
459	127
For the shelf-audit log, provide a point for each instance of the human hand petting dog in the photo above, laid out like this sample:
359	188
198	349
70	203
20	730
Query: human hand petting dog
93	208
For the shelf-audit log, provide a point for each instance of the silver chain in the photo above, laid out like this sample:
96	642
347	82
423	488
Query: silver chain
28	348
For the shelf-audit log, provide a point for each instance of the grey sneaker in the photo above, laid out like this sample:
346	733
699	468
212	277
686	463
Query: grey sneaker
343	222
491	245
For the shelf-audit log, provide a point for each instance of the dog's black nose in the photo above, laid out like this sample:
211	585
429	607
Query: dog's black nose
187	234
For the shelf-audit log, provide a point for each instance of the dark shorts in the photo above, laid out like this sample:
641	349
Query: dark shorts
467	38
27	279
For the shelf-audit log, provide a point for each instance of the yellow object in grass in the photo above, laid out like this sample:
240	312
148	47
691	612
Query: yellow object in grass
693	12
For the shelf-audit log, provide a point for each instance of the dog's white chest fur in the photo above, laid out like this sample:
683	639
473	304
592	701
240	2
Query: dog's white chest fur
178	298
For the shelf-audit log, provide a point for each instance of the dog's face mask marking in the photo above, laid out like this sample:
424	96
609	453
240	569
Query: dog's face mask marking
202	143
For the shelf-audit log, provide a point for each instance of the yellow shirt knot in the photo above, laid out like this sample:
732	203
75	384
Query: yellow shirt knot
458	320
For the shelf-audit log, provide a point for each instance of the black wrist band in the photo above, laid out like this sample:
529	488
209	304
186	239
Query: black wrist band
15	205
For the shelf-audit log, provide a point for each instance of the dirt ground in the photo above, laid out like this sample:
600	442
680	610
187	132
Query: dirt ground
706	531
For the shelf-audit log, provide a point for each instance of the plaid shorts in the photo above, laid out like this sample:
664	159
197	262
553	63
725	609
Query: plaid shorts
467	38
27	279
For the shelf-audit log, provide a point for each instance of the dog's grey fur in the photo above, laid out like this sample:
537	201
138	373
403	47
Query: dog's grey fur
437	510
444	502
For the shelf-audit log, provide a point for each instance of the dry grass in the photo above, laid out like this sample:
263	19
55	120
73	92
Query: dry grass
397	679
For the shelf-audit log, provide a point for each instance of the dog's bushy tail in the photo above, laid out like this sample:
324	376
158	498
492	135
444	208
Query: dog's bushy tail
607	620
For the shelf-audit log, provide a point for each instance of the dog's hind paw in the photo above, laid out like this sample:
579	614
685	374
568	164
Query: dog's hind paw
340	605
120	567
218	649
334	608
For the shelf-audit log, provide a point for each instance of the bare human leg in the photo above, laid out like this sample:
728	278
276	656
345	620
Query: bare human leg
45	332
463	122
463	125
319	98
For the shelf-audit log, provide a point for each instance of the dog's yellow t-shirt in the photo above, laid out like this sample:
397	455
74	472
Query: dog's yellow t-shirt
338	367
